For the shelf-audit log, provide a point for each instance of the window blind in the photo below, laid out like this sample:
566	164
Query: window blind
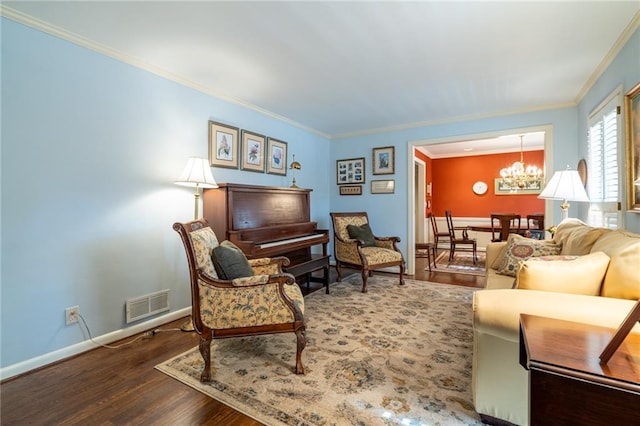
603	185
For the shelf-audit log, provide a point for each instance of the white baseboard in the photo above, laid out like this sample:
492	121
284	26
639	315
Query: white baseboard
78	348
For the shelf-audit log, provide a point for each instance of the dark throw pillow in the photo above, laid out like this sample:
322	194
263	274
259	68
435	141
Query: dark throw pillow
362	233
230	262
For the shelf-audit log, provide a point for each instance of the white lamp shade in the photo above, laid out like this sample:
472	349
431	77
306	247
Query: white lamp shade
565	185
197	172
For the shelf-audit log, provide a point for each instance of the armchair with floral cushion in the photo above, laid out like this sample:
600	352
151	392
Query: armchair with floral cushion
356	247
233	296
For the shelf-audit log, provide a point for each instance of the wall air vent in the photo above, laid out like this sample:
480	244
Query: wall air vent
145	306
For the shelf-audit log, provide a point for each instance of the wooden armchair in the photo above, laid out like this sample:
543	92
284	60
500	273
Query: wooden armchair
361	249
267	302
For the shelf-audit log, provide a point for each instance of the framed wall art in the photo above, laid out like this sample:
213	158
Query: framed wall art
253	149
384	161
350	171
507	188
632	117
351	190
277	157
223	145
383	186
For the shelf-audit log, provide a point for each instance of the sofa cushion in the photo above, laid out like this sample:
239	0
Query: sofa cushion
564	274
623	277
520	248
362	233
576	237
230	262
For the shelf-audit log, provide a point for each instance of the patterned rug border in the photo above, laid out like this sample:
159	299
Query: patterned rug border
443	264
272	415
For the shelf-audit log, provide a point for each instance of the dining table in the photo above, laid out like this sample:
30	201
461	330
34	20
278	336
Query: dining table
506	228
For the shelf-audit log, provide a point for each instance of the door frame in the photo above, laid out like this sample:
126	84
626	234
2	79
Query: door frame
412	145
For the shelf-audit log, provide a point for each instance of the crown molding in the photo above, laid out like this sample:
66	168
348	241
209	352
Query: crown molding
615	50
45	27
457	119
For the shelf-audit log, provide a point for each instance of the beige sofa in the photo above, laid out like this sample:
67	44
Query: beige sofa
594	279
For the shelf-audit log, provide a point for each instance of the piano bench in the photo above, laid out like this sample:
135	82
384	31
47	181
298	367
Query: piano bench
302	271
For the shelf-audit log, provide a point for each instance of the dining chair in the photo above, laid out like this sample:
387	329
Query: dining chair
535	221
506	223
459	242
437	235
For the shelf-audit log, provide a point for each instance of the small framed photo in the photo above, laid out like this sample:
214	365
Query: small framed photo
223	145
383	186
384	160
351	190
253	149
350	171
277	160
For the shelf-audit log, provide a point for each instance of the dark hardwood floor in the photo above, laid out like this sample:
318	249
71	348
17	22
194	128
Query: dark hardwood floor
121	387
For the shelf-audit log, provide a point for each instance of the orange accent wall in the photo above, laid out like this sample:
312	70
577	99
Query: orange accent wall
453	178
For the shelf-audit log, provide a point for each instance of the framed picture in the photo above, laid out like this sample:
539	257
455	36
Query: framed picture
351	190
384	161
253	149
223	145
506	188
277	160
383	186
350	171
632	117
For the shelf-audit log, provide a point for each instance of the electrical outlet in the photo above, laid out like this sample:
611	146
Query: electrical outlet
72	315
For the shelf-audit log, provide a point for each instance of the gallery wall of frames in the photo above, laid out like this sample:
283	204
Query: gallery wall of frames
233	148
351	172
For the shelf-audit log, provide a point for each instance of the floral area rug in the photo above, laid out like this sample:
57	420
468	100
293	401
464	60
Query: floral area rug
397	355
462	263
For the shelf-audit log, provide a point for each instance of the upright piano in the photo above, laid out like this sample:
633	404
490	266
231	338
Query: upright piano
267	221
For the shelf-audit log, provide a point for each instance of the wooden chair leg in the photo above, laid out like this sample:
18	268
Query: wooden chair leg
401	274
339	270
365	275
205	351
301	342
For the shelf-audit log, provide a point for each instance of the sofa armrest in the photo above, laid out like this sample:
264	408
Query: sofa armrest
494	251
497	312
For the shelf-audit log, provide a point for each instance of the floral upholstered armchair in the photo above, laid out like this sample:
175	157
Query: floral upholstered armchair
254	297
356	247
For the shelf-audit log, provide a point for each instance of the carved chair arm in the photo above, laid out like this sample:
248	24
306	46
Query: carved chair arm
268	265
257	300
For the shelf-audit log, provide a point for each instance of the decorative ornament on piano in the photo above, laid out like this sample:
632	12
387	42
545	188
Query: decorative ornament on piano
294	166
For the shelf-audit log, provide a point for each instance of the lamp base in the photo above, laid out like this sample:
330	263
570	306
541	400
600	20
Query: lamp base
564	208
187	326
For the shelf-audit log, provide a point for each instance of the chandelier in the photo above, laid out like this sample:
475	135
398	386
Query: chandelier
518	175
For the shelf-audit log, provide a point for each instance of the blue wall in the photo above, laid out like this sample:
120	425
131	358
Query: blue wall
624	70
90	149
91	146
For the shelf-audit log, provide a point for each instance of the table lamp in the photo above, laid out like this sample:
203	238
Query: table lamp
565	185
197	173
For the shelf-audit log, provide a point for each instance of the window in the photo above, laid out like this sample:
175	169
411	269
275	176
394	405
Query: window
603	185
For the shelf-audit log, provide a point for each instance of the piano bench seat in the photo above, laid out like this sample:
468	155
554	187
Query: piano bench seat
302	271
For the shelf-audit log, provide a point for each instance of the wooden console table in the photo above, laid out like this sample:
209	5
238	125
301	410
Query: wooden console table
567	383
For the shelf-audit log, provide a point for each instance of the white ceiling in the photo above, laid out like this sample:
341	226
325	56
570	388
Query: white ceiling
345	68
